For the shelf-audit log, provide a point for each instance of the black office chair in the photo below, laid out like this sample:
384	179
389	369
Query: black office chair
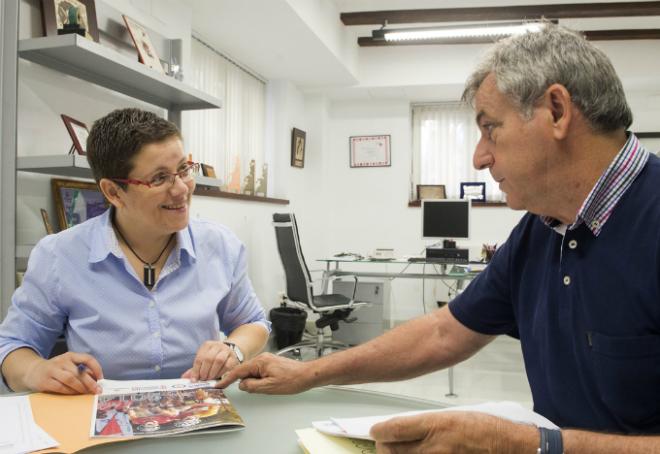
332	308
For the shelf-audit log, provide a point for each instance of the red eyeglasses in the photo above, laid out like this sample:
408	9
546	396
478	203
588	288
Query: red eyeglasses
186	174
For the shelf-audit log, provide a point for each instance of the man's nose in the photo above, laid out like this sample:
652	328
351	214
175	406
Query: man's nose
482	158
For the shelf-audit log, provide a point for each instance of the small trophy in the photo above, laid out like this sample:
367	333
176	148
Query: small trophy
73	23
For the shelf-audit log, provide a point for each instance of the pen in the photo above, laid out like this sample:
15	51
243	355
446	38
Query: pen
81	368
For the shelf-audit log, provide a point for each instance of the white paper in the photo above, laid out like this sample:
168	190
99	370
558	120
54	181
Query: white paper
18	431
360	427
139	386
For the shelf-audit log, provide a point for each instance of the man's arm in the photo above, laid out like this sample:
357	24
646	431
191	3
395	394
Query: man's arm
583	442
429	343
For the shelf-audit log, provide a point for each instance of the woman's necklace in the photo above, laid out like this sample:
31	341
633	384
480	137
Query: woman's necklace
149	276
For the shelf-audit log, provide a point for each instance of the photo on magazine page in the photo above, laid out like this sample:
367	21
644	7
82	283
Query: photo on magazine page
163	412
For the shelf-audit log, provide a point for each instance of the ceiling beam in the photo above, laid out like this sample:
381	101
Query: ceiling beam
591	35
566	11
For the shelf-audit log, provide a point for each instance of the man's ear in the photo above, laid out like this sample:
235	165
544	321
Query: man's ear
112	192
559	103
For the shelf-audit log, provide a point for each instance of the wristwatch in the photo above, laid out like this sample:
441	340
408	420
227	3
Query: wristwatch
237	351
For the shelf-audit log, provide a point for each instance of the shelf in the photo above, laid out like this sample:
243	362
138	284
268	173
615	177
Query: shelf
90	61
64	165
77	166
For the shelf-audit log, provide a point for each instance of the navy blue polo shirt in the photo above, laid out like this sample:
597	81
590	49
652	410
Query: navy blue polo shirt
586	309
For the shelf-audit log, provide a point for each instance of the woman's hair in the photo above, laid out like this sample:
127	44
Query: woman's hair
117	138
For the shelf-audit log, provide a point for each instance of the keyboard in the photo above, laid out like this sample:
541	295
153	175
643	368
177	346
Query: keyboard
439	260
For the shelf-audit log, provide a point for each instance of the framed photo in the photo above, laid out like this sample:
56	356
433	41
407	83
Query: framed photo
78	132
55	14
475	191
208	171
370	151
146	51
431	191
47	224
298	139
76	201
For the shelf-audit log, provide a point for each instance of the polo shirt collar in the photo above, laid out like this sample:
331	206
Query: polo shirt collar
608	190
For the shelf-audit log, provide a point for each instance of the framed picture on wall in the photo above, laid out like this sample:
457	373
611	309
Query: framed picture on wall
59	15
76	201
146	50
298	139
475	191
369	151
431	191
78	132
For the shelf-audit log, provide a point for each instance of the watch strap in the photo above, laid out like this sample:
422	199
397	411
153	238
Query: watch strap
551	441
237	351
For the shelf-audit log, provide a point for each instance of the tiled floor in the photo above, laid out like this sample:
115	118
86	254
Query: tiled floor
496	373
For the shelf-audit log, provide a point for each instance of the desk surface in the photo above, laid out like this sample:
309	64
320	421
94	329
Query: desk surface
271	421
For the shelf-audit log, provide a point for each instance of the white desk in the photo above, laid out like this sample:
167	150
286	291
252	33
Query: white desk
271	421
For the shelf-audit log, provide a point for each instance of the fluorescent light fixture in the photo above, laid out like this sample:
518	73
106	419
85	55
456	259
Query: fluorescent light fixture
463	31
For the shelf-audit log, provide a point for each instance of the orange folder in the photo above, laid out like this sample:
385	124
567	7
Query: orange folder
68	420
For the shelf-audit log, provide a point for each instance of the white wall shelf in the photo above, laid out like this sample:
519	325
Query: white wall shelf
95	63
65	165
76	166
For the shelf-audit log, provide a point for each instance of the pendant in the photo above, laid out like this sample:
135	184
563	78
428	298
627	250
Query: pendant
149	275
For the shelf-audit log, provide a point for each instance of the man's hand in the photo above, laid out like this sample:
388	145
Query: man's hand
62	374
212	360
451	432
269	374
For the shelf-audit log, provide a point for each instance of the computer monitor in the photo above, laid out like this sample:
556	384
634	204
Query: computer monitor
446	218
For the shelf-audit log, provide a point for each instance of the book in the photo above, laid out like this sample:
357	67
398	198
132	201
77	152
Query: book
154	408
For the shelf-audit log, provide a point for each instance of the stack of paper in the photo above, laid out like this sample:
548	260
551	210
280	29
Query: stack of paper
18	431
326	436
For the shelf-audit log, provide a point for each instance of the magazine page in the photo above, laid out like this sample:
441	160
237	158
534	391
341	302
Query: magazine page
160	407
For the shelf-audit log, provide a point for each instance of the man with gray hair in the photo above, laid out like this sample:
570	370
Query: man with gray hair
578	280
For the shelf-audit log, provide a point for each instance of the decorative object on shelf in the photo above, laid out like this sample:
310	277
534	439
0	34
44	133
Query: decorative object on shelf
487	251
370	151
47	225
78	132
298	139
234	184
262	183
19	278
431	191
76	201
146	52
70	16
248	186
208	171
475	191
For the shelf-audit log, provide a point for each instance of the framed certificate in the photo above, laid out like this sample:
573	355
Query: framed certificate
370	151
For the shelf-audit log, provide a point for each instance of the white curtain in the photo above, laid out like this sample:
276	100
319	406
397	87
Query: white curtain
219	136
444	139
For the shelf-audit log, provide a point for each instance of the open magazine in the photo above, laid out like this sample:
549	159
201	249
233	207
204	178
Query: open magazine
160	407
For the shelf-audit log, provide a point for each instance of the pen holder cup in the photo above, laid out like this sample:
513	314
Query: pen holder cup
288	325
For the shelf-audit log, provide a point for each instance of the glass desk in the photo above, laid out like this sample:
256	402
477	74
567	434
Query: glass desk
271	421
405	269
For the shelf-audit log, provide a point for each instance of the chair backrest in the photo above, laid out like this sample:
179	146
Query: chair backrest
298	279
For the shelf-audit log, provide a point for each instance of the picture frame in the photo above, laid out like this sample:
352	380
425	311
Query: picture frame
77	201
208	171
431	191
78	132
47	225
54	15
370	151
474	190
298	142
146	52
